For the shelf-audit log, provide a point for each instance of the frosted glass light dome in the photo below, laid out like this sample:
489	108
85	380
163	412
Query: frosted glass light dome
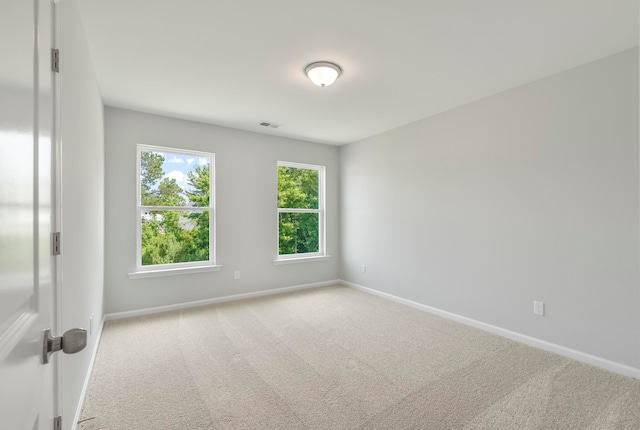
323	73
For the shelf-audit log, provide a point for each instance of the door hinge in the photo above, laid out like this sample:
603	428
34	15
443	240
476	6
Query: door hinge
57	423
55	243
55	60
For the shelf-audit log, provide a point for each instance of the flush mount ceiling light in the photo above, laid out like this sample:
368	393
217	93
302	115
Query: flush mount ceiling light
323	73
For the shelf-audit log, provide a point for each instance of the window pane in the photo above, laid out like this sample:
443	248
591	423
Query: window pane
174	237
171	179
297	188
298	233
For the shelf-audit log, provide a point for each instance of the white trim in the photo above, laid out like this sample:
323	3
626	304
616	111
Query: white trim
87	378
173	271
298	211
211	209
602	363
175	208
235	297
300	165
57	211
292	260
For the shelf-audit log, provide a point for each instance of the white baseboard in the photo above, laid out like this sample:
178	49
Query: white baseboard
155	310
87	379
602	363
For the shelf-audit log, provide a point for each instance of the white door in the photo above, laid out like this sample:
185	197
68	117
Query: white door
27	293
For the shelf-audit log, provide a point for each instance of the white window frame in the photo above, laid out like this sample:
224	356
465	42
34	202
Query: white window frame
175	268
321	211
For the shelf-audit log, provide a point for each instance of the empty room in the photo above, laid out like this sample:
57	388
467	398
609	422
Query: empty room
335	215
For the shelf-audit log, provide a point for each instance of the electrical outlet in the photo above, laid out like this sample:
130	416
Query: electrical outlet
538	308
236	274
363	268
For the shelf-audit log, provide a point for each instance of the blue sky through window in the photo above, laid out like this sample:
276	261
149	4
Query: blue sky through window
177	166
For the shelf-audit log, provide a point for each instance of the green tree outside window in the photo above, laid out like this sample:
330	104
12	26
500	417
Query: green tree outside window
299	211
172	229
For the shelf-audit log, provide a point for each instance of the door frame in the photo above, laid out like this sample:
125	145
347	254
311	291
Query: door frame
56	211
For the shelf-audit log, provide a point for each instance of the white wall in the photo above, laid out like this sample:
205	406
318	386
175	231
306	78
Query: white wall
82	142
246	187
531	194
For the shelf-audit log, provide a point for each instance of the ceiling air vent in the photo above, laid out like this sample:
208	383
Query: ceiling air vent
269	124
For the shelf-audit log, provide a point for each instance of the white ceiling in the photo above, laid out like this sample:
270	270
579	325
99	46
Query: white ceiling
236	63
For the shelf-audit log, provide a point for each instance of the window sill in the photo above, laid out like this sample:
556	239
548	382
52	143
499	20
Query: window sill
171	272
301	260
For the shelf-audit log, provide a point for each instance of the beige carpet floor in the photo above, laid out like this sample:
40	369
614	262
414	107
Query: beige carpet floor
337	358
